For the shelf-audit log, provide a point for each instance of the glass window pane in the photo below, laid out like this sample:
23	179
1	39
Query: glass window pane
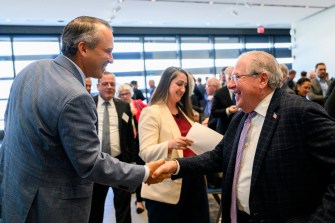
128	62
197	55
5	88
5	46
159	53
227	50
6	69
3	105
6	63
35	46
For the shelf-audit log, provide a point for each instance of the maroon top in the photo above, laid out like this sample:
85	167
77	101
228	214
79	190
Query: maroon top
184	127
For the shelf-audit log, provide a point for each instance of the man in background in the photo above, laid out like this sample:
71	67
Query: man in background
319	85
152	88
212	85
223	77
88	84
50	155
137	93
223	105
120	145
284	70
290	79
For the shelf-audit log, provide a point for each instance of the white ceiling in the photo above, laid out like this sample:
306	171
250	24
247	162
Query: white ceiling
164	13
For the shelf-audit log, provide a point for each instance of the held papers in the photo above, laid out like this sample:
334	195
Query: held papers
204	138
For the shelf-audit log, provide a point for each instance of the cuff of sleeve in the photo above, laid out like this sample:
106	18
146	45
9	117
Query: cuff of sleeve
146	174
178	168
227	111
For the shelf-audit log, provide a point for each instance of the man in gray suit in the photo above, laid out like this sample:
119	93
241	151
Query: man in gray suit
50	155
319	85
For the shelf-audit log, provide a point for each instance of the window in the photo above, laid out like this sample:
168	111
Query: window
142	57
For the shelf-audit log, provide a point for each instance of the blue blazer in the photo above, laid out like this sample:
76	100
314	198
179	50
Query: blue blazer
50	154
294	167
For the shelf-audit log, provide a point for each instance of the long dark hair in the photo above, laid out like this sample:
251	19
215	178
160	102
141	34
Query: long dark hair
160	95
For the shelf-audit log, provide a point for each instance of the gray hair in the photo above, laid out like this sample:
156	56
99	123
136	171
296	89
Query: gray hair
81	29
125	87
264	62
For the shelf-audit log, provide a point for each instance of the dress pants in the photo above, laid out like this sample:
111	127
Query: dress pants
192	206
122	200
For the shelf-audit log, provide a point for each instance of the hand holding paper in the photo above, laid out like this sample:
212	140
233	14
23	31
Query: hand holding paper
204	138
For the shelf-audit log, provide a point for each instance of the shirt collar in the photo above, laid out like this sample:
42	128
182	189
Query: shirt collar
263	106
101	101
83	77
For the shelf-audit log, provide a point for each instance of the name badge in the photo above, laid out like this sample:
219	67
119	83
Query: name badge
125	117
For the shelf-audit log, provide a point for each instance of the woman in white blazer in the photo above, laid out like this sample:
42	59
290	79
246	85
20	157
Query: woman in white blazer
162	129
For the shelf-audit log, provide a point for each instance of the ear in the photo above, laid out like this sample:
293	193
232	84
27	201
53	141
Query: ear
82	48
264	80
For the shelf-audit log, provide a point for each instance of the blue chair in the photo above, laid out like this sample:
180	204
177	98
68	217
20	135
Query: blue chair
216	193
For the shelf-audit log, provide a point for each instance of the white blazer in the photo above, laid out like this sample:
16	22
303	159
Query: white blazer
156	127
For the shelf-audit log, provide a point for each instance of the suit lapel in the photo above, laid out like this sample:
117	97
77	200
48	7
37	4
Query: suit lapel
172	123
119	111
268	129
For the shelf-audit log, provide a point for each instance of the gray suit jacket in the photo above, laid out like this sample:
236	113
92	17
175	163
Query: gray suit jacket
316	93
294	166
50	154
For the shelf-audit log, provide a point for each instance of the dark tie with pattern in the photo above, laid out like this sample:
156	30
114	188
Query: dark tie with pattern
243	136
233	99
105	142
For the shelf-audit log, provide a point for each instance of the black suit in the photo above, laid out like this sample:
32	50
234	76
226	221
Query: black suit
293	171
128	154
220	103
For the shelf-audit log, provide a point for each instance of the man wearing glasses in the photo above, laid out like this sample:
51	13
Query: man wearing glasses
278	154
120	145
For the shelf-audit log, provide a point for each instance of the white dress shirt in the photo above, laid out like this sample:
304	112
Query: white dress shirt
248	154
113	125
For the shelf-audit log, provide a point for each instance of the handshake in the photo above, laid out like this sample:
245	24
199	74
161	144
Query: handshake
161	170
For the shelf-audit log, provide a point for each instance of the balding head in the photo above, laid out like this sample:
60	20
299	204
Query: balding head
212	85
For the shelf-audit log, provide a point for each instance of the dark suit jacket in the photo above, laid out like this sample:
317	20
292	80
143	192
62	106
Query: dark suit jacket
138	94
127	141
220	102
294	168
330	102
316	93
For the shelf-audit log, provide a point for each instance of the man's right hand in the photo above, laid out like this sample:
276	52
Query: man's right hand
153	167
169	167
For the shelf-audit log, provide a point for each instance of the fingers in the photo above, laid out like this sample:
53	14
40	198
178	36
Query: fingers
182	143
158	179
169	167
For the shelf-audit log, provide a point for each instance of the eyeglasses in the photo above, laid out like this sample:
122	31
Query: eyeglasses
105	84
236	78
125	94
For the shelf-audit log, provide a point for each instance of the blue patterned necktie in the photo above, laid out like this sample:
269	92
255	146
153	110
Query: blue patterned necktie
243	136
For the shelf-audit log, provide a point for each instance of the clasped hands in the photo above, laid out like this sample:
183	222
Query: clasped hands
161	170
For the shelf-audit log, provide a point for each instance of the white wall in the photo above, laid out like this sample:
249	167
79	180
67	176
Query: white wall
313	41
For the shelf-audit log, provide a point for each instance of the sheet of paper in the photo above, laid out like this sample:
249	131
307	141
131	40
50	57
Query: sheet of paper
204	138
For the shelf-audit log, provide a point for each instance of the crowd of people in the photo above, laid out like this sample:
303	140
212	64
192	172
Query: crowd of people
64	149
